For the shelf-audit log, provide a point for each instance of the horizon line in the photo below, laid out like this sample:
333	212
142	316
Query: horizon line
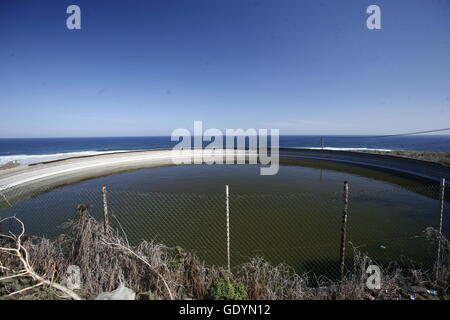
281	135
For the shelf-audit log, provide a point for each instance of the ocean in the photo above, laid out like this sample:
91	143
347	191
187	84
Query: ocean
33	150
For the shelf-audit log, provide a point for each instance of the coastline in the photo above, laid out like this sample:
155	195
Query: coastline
442	158
11	161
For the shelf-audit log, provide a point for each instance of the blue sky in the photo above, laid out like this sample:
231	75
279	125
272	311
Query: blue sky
147	67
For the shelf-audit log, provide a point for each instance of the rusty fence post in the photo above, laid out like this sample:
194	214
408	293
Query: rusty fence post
442	200
83	211
228	227
105	210
344	230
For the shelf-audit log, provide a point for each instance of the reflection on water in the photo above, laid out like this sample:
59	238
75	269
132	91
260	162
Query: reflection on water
293	217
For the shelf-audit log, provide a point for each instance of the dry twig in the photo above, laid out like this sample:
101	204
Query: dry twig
130	251
20	252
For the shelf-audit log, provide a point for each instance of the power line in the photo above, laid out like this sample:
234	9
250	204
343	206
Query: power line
411	133
389	135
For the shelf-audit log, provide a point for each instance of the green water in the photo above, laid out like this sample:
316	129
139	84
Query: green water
293	217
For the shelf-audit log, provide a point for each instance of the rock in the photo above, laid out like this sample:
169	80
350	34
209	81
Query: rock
73	277
121	293
427	296
148	295
417	289
9	165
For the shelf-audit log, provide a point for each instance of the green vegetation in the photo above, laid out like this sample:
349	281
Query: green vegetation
437	157
178	257
224	289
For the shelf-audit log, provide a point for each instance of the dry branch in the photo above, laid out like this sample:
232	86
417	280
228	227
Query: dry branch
130	251
21	253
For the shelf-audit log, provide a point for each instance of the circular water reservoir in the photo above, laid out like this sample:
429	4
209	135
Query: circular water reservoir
293	217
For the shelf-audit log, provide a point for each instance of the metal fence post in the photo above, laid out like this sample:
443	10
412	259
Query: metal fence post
105	210
344	229
228	227
442	200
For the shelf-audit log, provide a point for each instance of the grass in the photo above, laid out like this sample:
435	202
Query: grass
437	157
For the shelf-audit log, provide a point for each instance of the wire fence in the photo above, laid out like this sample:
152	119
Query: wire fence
302	230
